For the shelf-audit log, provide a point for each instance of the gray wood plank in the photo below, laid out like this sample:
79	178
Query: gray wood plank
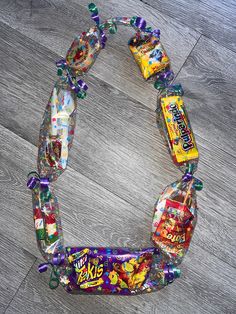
91	215
117	147
207	286
208	79
119	164
55	23
212	18
15	264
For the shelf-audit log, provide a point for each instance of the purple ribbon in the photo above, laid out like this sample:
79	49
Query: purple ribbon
169	274
32	182
61	63
96	18
44	183
166	76
57	259
140	23
35	179
43	267
156	33
187	177
103	38
76	88
82	84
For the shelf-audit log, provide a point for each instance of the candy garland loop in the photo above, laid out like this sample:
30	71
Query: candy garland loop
100	270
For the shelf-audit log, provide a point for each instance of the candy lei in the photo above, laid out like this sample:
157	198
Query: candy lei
115	270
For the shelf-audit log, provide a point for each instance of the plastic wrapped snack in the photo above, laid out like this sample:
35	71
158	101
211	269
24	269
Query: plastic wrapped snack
174	220
47	221
84	51
175	126
57	131
149	55
114	270
104	270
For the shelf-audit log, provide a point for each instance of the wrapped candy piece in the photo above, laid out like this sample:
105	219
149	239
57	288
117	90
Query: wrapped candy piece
84	51
57	131
176	129
114	270
175	217
47	221
149	55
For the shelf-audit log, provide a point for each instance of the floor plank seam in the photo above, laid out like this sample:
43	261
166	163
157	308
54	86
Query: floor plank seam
187	56
83	175
209	38
167	15
127	202
71	168
91	180
57	57
130	97
219	43
20	284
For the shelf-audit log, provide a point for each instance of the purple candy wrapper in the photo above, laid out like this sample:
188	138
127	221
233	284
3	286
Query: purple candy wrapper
112	270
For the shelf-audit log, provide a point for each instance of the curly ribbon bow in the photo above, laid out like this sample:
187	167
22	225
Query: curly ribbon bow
93	9
34	179
57	259
171	273
79	87
163	79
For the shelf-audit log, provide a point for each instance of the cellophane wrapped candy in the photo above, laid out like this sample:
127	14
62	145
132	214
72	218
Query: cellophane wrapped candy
57	131
175	127
149	55
114	270
100	270
175	218
47	222
84	51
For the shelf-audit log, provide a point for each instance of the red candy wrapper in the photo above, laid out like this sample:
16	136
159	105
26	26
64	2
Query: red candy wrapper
174	220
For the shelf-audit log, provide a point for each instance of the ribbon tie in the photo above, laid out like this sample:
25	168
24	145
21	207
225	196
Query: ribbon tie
171	272
95	16
79	87
35	179
57	260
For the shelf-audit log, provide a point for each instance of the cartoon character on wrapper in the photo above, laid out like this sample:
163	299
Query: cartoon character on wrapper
175	217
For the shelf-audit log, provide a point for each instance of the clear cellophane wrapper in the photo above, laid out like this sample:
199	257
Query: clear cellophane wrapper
57	131
174	221
114	270
47	222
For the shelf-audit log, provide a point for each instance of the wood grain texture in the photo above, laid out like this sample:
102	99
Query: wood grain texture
55	23
118	164
205	294
15	263
89	216
107	151
208	78
212	18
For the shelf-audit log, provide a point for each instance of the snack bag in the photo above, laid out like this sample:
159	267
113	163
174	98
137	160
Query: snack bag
174	220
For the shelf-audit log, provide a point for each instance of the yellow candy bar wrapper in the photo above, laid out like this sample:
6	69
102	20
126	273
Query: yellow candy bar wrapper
180	135
151	58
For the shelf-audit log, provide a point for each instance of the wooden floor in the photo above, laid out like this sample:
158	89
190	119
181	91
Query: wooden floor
118	164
